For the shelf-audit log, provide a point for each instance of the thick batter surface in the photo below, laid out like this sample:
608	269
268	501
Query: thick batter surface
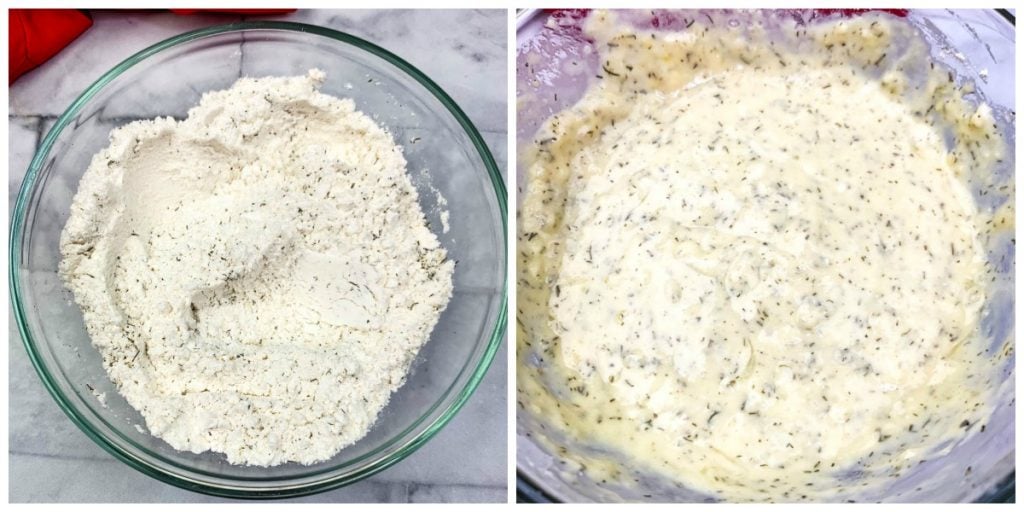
751	266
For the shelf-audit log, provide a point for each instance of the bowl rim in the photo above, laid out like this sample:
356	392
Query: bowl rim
532	488
17	232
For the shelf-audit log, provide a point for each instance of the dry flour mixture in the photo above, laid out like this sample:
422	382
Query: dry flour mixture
259	276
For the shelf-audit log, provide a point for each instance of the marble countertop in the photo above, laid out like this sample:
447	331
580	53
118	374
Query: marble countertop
51	460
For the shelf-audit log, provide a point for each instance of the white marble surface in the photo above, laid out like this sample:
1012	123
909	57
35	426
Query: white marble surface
51	460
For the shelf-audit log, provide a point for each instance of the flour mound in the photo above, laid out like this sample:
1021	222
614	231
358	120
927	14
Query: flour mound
258	277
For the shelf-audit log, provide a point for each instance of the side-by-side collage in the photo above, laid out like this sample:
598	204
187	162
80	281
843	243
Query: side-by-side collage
511	255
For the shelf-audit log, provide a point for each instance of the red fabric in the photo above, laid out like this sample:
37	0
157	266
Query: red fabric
233	11
38	34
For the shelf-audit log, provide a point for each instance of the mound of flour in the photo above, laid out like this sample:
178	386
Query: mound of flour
259	276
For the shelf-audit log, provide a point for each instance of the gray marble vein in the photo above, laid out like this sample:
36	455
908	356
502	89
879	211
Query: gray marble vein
23	135
473	43
51	460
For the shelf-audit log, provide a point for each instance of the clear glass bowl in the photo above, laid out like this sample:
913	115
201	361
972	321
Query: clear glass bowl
977	45
444	151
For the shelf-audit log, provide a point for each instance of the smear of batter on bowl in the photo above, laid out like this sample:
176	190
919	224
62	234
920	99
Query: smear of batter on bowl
257	277
749	260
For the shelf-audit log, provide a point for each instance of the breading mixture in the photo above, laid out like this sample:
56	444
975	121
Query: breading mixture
259	276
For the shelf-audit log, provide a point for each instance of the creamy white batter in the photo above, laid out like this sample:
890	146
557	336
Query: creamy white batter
750	262
258	277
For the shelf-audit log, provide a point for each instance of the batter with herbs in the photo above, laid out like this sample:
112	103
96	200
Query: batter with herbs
259	276
750	262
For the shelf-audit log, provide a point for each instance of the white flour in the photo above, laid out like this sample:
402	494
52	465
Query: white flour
258	277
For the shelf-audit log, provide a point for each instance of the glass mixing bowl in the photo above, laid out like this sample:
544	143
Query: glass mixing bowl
444	151
977	45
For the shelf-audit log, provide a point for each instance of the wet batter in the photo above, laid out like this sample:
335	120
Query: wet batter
749	260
